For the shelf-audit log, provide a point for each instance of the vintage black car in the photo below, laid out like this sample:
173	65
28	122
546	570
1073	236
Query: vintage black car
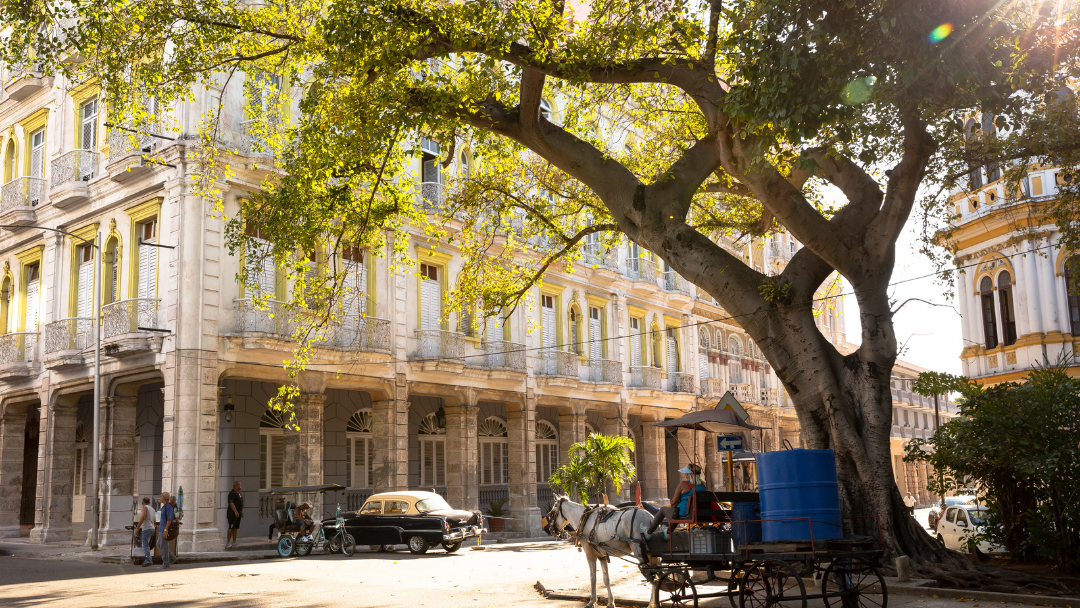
417	519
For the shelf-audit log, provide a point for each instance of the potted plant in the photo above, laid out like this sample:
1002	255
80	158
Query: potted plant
496	515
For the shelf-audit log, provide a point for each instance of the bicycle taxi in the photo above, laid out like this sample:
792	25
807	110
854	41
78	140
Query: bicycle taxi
332	537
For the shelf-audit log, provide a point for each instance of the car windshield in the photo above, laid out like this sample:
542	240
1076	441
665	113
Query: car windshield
432	504
958	500
978	516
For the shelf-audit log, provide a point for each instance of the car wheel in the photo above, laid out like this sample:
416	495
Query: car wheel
285	546
348	545
451	547
417	545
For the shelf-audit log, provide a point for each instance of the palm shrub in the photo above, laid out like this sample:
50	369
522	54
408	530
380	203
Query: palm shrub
594	463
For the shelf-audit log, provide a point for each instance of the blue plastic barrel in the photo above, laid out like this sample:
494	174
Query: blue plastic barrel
795	485
750	532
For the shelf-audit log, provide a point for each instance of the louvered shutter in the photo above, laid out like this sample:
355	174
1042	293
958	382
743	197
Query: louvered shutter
31	320
83	305
430	304
596	347
311	279
672	355
115	295
355	285
147	271
548	321
262	268
575	341
703	365
635	343
494	328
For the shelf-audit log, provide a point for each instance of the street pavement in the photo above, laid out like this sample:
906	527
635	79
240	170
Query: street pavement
498	575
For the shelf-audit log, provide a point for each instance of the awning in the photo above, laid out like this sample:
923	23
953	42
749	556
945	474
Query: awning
713	421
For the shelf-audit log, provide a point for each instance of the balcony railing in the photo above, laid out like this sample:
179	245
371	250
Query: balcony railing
69	334
557	363
770	397
127	316
673	281
712	387
272	318
641	269
123	142
75	166
494	494
21	192
18	347
439	344
645	377
367	333
258	134
594	254
604	371
745	393
432	197
780	250
678	382
500	353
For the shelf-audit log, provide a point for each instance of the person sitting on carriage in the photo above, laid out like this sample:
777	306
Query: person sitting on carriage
680	501
305	522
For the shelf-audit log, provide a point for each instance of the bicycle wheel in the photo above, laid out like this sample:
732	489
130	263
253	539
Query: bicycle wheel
285	545
348	545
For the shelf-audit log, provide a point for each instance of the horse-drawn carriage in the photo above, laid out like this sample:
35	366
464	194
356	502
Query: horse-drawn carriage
714	550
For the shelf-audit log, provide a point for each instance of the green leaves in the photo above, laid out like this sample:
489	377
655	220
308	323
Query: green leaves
594	463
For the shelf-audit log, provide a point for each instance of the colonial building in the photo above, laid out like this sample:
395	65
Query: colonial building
405	396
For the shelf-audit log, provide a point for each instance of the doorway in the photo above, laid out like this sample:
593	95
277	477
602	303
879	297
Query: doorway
30	464
672	457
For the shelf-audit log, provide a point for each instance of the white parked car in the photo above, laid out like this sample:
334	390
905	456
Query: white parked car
961	521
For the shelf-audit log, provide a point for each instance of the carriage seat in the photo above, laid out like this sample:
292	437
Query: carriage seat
285	520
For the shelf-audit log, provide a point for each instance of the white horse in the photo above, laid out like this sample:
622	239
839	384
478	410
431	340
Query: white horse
599	540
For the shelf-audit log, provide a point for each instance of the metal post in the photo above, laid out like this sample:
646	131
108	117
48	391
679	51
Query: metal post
937	415
95	505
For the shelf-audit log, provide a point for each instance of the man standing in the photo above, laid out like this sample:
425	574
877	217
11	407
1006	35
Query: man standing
146	530
234	513
168	514
910	501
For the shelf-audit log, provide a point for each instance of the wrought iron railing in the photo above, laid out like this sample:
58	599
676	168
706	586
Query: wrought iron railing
545	497
69	334
75	166
494	494
21	192
712	387
25	69
432	197
127	316
271	318
780	250
439	344
500	353
641	269
679	382
673	281
745	393
20	347
604	371
366	333
257	135
557	363
594	254
645	377
128	139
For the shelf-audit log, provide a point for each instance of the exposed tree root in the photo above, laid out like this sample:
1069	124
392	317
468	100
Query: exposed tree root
961	573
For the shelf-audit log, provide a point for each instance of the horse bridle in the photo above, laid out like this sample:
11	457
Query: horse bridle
548	522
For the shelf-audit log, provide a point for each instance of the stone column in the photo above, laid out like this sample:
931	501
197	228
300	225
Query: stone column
521	440
303	461
653	462
56	473
12	443
571	430
713	465
462	459
118	474
1030	282
1048	302
390	419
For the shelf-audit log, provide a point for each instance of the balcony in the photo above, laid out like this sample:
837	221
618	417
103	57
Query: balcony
502	354
366	333
646	377
257	136
745	393
780	251
270	320
673	282
71	175
65	341
641	270
595	255
440	344
125	327
432	197
770	397
602	371
712	387
128	151
17	354
557	363
19	199
678	382
25	80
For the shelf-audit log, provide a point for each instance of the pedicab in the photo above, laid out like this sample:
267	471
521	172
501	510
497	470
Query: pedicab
332	537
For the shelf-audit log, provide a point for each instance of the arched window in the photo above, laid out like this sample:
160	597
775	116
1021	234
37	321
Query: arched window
5	306
465	166
734	361
1072	292
1005	301
986	291
545	110
10	169
494	452
704	337
360	450
271	449
432	452
547	450
575	330
111	262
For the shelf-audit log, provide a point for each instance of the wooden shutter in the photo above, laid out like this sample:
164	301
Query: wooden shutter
635	343
672	354
596	346
262	269
277	458
430	303
355	286
548	320
32	300
84	303
147	271
703	365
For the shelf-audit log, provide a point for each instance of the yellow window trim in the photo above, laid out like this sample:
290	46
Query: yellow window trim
30	124
432	257
642	338
77	239
139	214
636	312
26	259
671	322
82	94
5	306
601	303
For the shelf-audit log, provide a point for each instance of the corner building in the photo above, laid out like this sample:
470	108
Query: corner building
409	396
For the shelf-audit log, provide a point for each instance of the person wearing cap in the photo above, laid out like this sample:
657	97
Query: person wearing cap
680	502
305	521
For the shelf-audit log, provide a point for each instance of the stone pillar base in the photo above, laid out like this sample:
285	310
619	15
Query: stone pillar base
10	532
201	540
527	520
50	535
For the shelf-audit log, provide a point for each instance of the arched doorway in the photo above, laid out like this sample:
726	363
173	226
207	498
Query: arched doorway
31	436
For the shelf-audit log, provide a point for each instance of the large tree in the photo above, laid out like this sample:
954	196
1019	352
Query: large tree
741	114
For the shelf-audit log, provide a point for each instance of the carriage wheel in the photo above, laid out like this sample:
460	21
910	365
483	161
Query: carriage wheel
679	589
285	545
853	584
772	584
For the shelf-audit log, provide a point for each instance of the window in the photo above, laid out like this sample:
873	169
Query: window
545	109
494	455
261	269
548	321
111	273
372	507
148	267
986	290
673	364
1072	292
734	361
950	516
575	331
33	298
635	342
84	294
703	355
596	334
88	114
432	437
6	325
906	422
359	450
395	507
925	421
355	283
1005	301
37	164
547	450
271	450
430	297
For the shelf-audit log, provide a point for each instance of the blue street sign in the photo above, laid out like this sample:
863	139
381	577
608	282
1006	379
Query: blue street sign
728	442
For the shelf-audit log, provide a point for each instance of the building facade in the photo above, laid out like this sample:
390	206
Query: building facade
408	395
